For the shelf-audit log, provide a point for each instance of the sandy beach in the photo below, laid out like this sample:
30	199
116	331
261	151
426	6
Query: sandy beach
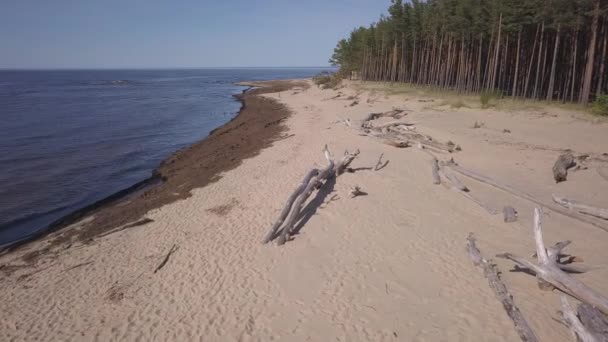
183	261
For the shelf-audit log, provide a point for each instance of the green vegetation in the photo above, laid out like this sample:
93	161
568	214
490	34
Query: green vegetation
600	106
486	96
327	80
539	49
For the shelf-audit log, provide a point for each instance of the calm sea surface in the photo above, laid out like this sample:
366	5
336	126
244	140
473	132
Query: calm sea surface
71	138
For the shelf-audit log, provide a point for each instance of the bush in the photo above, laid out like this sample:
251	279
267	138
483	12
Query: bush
486	97
600	106
327	80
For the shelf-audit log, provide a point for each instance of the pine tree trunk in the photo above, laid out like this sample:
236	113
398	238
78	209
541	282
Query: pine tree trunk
590	56
525	94
540	51
552	77
514	92
574	65
598	89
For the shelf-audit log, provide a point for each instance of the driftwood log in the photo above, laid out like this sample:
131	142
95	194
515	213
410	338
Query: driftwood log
315	178
549	271
561	166
581	208
504	187
595	321
501	292
578	330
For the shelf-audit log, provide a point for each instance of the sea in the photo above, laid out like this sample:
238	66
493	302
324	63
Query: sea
69	138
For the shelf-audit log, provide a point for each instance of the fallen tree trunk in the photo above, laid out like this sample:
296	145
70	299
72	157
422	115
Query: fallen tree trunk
548	271
312	173
291	212
487	180
594	321
501	292
561	166
314	182
580	207
578	330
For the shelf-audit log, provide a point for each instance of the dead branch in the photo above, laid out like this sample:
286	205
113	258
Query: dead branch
579	332
581	208
561	166
166	259
356	191
487	180
548	271
380	165
501	292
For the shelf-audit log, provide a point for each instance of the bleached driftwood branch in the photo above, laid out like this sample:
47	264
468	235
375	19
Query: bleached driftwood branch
581	208
504	187
548	271
501	292
291	212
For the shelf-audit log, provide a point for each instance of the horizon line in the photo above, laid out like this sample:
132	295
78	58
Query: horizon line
163	68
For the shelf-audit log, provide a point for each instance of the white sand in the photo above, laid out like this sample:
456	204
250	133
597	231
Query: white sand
389	266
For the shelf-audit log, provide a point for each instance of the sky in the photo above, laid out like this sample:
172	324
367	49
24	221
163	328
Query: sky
58	34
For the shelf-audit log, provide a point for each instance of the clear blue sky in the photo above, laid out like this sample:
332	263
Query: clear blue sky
186	33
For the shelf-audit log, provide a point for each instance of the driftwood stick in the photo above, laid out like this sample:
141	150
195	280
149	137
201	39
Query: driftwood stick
166	259
579	332
549	271
380	165
287	208
487	180
501	292
561	166
393	123
580	207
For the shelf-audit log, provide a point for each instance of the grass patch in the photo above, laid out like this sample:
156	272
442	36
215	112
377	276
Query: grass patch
600	106
327	80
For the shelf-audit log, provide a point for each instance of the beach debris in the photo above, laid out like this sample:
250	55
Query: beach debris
548	271
166	259
492	274
313	180
509	189
506	130
479	124
561	166
356	191
509	214
581	208
379	164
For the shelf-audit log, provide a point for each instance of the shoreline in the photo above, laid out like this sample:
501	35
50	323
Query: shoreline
150	193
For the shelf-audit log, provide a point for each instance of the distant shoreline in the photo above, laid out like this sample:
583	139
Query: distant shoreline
130	204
